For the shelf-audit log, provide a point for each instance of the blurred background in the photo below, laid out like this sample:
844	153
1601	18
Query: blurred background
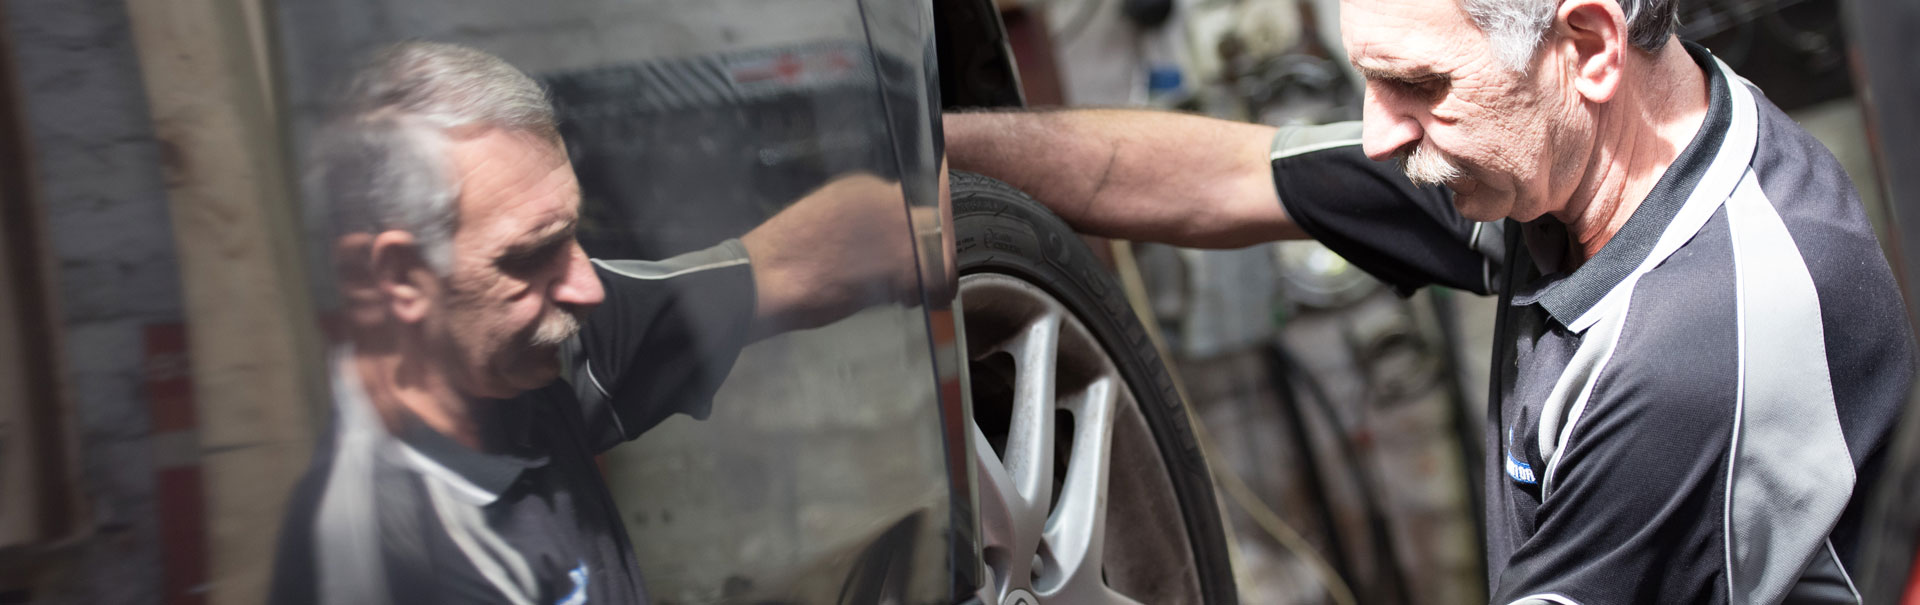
150	425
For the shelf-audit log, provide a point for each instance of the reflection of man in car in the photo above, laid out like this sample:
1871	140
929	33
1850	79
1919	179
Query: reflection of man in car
484	359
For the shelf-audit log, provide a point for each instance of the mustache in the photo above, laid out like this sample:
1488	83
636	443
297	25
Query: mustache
1425	166
556	328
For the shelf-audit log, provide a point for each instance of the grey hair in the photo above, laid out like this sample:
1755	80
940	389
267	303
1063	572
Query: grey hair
1516	27
379	162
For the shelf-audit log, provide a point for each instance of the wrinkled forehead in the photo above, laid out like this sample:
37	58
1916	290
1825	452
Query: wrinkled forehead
505	174
1387	22
1421	31
1405	15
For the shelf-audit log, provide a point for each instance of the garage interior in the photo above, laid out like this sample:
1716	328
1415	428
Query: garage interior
163	383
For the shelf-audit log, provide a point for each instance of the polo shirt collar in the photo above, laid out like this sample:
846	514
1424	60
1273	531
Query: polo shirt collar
482	477
1569	298
479	477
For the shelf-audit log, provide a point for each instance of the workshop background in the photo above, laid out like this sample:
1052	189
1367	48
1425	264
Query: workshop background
1342	420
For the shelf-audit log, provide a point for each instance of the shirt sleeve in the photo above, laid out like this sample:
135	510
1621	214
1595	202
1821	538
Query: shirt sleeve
662	342
1372	215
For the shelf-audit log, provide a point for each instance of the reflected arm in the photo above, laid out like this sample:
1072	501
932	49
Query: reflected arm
669	331
841	248
662	342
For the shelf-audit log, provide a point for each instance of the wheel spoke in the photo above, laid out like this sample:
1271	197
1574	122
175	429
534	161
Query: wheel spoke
1001	510
1029	452
1076	530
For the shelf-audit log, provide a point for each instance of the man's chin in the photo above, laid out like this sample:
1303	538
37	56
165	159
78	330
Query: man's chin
538	373
1475	203
529	374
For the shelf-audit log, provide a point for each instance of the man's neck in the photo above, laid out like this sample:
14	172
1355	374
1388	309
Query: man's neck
1660	107
399	384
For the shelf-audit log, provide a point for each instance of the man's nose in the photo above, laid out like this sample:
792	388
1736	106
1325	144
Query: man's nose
580	286
1384	126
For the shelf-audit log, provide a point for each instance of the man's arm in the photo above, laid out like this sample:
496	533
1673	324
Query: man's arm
1134	174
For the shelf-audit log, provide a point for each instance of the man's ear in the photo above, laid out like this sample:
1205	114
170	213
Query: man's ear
1593	39
400	271
353	261
354	277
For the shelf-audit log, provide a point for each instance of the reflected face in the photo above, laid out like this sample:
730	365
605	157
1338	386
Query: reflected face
1438	99
520	283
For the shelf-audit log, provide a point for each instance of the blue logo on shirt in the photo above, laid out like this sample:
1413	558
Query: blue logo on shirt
579	594
1519	471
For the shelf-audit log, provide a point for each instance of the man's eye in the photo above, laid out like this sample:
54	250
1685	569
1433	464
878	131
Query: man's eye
1430	85
1424	88
529	261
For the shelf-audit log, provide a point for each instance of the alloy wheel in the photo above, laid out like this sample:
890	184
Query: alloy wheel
1051	414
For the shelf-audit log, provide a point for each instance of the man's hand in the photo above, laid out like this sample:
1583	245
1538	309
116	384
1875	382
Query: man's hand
846	246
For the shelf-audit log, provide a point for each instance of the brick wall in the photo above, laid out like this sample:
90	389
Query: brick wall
101	187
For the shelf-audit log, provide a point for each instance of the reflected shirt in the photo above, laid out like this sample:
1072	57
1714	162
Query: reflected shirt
411	516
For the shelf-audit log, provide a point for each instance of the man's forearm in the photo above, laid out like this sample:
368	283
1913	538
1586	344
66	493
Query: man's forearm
1134	174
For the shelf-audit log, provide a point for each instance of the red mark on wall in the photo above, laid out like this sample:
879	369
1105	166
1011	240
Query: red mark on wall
178	487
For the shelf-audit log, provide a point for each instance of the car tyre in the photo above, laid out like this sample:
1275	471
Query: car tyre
1163	540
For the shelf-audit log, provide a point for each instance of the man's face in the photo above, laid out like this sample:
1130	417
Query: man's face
519	282
1438	98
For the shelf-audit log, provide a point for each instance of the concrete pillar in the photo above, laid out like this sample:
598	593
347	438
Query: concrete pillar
254	346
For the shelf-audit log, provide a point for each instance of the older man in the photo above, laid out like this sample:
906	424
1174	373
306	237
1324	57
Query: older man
459	467
1700	348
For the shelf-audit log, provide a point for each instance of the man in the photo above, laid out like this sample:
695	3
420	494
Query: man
1700	348
483	359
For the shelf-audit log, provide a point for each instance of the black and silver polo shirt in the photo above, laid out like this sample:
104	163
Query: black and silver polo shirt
1692	414
411	516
